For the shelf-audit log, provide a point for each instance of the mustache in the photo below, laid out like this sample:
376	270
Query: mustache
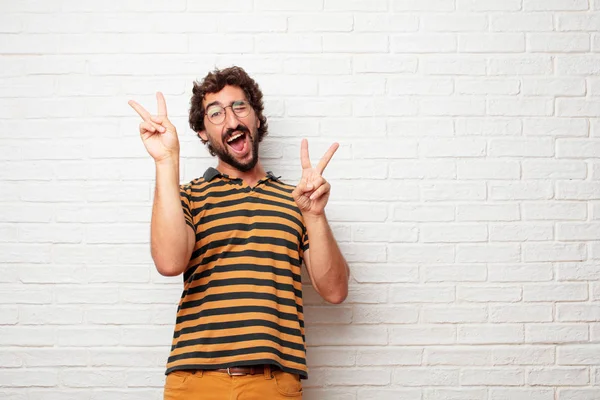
239	128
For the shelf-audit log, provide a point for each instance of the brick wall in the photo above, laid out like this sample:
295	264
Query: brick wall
466	191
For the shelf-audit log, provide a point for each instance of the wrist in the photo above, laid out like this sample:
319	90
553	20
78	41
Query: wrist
314	218
168	161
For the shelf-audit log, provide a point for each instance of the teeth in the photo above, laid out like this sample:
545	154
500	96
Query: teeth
231	139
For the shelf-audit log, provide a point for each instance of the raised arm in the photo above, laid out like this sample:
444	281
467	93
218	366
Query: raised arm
172	240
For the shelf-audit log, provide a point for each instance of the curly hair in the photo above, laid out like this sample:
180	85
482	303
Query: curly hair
214	82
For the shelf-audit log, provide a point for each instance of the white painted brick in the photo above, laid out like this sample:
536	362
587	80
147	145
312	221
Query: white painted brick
384	233
520	313
413	169
578	355
492	377
385	22
96	378
353	377
556	292
488	5
452	233
430	213
288	43
553	252
578	231
488	169
346	86
28	378
455	394
531	190
578	22
452	65
488	86
583	271
323	65
577	108
521	394
556	127
378	106
273	5
355	5
423	43
384	190
556	333
577	312
488	294
364	252
384	394
521	107
453	22
593	86
322	315
577	148
384	64
520	273
351	127
449	273
356	43
320	23
522	22
412	86
554	169
27	336
521	232
363	213
462	314
490	334
553	87
424	294
322	107
421	126
453	191
491	43
566	190
50	315
426	376
521	147
455	147
523	355
384	274
558	42
558	376
555	211
325	356
346	336
424	5
521	65
389	356
492	253
555	5
578	394
487	212
456	355
366	314
578	65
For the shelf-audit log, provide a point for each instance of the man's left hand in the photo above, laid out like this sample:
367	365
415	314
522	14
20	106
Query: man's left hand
312	193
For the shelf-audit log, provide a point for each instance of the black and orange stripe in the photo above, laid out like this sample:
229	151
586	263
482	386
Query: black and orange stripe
242	298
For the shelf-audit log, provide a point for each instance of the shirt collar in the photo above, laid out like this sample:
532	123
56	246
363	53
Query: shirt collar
211	173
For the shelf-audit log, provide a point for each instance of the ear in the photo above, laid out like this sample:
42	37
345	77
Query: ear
202	135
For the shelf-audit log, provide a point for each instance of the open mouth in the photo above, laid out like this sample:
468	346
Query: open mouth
237	141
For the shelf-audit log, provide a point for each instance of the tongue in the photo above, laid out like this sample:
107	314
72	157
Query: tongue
238	144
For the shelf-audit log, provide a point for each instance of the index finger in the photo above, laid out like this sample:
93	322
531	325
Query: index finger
140	110
304	158
327	157
162	105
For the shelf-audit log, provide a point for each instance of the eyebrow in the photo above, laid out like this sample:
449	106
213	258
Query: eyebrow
221	104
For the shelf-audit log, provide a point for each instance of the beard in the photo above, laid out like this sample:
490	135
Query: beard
221	150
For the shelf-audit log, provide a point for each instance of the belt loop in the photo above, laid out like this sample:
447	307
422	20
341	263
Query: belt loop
267	371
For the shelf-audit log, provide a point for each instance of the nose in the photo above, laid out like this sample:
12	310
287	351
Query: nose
231	120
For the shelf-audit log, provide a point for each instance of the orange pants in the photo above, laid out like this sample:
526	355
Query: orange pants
214	385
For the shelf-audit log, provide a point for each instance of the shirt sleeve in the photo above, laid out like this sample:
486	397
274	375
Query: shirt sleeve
185	193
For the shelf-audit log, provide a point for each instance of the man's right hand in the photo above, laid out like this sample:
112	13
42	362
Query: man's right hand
157	132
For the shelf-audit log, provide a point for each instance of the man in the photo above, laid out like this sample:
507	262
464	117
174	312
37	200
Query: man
239	236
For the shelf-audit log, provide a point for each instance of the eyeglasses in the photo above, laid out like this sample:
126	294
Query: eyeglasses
216	112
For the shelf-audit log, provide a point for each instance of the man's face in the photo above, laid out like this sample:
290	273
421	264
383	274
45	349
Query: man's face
234	139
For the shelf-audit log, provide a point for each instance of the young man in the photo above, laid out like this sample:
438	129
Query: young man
239	237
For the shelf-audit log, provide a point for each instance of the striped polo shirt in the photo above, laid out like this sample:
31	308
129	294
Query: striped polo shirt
242	298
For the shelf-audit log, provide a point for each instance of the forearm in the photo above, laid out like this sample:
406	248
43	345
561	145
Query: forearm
168	228
329	270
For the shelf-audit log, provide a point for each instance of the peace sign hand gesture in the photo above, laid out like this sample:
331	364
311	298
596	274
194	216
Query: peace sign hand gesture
312	193
157	132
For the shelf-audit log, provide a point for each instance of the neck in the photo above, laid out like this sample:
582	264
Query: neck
249	177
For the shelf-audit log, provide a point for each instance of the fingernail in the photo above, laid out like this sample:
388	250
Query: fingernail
161	129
